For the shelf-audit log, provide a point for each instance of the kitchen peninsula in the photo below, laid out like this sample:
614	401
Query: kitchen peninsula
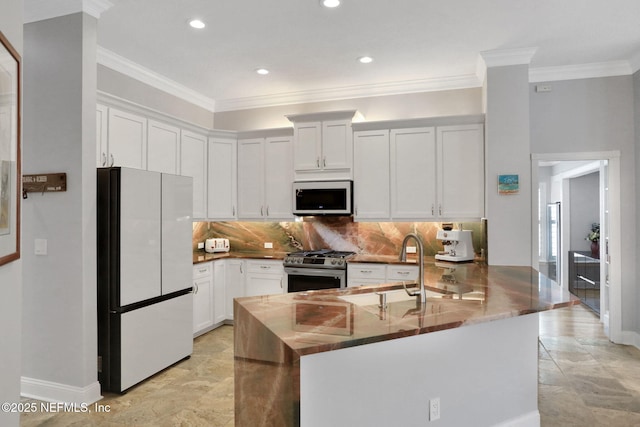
339	358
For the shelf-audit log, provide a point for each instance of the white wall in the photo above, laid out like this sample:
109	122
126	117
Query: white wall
391	107
594	115
60	325
507	152
10	274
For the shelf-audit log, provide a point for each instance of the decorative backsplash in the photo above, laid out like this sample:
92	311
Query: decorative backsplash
337	233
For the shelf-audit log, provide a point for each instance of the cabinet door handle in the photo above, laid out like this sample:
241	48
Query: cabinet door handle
195	288
112	160
267	210
241	269
440	210
261	210
233	211
324	161
104	159
317	162
432	210
265	266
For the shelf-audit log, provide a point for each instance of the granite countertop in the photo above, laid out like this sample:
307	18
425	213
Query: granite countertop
202	256
458	294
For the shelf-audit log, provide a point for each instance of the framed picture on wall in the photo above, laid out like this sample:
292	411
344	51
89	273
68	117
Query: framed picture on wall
9	152
508	184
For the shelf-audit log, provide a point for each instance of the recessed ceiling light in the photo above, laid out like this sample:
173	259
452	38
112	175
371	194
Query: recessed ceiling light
196	23
262	71
331	3
365	59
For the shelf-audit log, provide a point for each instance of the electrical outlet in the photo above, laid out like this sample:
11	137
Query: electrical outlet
411	249
200	245
434	409
268	245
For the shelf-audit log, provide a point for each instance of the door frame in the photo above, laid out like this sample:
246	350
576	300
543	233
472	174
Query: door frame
613	323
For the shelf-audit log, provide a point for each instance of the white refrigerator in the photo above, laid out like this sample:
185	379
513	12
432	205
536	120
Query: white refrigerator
145	305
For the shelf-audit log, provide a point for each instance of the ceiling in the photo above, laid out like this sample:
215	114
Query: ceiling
312	51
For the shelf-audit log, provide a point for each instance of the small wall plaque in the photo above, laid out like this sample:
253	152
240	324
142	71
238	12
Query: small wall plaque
44	183
508	184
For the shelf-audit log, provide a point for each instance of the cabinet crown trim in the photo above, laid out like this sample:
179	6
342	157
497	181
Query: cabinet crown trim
318	117
419	122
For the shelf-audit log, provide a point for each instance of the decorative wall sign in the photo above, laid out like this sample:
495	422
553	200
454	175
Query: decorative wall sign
9	152
508	184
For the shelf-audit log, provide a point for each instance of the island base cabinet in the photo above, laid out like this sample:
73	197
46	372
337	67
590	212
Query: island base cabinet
484	375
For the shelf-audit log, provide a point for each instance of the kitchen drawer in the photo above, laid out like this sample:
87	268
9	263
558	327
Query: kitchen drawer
366	271
202	270
402	272
265	267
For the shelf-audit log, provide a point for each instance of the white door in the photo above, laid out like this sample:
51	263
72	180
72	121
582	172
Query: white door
337	144
278	169
307	137
413	173
163	147
177	230
221	183
371	175
193	163
140	239
127	140
251	179
461	171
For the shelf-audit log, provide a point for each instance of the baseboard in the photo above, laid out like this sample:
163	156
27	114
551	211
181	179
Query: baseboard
531	419
54	392
630	338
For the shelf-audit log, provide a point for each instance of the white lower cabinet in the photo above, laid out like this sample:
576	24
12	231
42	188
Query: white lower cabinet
234	283
203	313
359	274
264	278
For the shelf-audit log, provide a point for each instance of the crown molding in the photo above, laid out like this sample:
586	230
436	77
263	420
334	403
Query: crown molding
349	92
581	71
39	10
505	57
634	62
129	68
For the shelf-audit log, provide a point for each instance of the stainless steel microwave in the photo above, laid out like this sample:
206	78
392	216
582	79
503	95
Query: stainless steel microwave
322	198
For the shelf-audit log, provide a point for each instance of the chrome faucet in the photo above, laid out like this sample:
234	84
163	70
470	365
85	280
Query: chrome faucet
420	293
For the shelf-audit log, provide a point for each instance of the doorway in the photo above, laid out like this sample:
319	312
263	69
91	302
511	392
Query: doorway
577	194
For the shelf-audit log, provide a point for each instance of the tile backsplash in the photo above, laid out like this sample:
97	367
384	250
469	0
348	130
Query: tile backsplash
338	233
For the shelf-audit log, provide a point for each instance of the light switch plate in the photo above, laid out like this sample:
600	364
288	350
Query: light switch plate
200	245
411	249
268	245
40	247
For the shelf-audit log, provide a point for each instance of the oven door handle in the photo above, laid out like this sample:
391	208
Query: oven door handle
314	272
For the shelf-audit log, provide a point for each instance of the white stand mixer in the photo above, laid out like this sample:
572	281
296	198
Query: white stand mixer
457	245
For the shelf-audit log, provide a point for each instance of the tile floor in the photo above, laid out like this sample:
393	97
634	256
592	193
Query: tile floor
584	380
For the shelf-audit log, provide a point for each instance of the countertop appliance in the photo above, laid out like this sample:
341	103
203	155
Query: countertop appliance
313	270
457	245
145	305
216	245
322	198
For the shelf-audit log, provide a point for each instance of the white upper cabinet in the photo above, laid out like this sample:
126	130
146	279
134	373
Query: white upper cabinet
278	169
371	175
221	183
163	147
429	173
127	140
412	181
323	145
251	178
193	163
264	178
461	175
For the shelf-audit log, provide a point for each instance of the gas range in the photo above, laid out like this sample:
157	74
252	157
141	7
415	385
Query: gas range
323	258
